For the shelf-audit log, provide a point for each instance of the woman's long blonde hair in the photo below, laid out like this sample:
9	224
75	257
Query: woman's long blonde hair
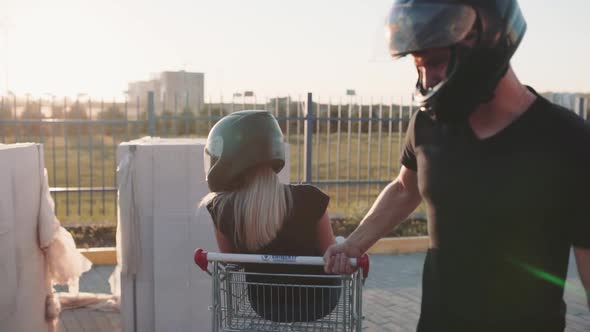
260	207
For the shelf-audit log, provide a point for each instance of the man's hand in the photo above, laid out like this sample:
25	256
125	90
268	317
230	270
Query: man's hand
337	258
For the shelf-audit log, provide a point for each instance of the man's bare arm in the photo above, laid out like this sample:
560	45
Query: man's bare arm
395	202
393	205
583	263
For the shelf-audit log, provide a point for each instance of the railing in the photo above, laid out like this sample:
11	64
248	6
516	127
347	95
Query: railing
350	150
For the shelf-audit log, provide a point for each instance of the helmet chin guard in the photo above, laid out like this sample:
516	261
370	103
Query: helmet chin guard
475	70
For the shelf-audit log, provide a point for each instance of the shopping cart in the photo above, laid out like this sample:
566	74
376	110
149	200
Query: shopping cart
271	302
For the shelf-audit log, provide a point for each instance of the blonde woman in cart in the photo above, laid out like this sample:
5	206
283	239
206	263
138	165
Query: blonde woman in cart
254	213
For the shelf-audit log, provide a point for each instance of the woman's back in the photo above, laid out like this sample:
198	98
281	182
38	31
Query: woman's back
297	236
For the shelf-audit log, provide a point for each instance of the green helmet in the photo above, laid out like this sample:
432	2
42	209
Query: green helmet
239	142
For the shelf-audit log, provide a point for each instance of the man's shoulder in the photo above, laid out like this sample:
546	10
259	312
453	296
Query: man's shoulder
569	132
557	123
558	116
421	122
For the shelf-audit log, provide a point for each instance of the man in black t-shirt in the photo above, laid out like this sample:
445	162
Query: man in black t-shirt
503	172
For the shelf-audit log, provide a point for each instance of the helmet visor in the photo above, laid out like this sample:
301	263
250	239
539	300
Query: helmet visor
212	152
417	27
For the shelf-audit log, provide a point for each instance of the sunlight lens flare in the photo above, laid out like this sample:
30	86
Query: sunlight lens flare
551	278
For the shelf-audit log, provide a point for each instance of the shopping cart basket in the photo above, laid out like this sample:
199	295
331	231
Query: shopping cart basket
271	302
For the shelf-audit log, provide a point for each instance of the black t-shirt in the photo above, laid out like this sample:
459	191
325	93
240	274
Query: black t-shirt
503	213
296	237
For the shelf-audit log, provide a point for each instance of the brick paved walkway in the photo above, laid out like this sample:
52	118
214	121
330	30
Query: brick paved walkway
84	319
392	295
391	298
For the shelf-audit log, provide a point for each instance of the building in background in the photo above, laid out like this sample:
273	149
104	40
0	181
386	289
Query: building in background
576	102
566	100
174	91
180	90
137	91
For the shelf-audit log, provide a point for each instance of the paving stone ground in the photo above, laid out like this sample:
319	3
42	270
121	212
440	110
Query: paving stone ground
392	295
391	298
85	320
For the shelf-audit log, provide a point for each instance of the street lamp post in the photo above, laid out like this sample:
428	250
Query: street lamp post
82	95
52	102
249	94
13	101
234	95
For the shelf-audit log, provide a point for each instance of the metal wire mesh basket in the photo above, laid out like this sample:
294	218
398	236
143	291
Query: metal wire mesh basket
252	301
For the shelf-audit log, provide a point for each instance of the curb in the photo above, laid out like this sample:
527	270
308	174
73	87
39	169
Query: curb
400	245
101	256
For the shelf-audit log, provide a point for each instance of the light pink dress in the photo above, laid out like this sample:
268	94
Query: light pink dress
35	251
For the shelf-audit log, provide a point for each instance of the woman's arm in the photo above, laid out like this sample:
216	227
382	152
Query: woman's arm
224	244
325	233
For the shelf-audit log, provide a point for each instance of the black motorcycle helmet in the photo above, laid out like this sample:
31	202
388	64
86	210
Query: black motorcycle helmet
239	142
474	71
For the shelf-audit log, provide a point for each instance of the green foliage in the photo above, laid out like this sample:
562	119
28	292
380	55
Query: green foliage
57	111
32	111
5	110
92	236
113	113
188	125
185	123
166	123
413	226
6	114
77	111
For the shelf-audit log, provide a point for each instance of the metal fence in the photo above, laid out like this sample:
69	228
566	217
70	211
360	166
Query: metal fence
349	149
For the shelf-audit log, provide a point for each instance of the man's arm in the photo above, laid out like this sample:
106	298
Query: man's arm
393	205
583	263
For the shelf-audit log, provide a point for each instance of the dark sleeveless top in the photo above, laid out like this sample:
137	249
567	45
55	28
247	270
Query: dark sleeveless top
296	237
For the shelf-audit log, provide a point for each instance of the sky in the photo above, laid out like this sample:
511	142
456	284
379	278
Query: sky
271	47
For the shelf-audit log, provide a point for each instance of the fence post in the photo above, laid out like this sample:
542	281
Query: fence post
151	114
308	132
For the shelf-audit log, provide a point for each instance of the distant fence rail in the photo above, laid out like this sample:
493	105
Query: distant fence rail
349	149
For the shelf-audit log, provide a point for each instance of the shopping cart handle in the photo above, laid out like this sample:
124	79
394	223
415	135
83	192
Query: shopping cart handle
201	259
